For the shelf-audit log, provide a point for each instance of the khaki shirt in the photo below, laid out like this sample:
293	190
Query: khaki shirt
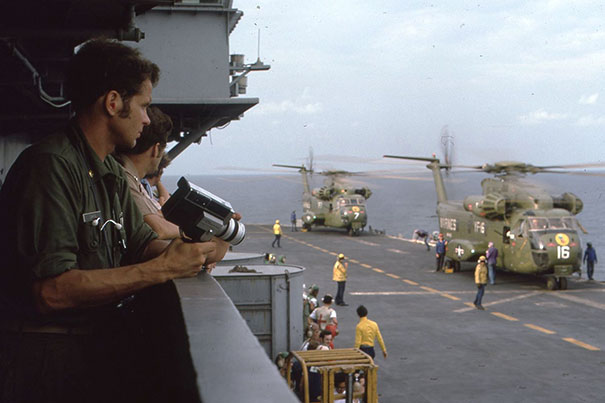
141	198
47	208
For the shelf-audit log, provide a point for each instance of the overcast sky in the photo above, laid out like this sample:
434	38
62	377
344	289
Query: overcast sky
512	80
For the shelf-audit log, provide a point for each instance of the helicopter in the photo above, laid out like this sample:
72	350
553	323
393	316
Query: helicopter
534	231
332	205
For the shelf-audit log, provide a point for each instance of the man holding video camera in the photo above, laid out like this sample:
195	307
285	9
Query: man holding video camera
77	253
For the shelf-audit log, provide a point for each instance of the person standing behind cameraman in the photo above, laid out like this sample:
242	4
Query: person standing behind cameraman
76	248
145	159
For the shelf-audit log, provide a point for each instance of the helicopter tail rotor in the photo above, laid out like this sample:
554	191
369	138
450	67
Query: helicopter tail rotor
447	148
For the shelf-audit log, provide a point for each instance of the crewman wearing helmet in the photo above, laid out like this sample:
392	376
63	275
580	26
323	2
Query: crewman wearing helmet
277	233
339	275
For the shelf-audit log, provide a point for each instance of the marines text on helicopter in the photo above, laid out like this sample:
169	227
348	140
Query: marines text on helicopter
535	232
333	205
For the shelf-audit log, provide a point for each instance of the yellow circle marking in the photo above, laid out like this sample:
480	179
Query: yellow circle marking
562	239
355	209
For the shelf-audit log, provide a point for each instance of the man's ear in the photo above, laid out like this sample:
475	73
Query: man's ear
156	151
113	103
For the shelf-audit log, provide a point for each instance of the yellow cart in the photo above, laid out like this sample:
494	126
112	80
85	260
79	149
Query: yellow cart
329	362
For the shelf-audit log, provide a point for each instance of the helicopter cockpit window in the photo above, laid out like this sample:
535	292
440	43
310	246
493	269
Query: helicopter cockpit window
552	223
557	223
569	222
536	223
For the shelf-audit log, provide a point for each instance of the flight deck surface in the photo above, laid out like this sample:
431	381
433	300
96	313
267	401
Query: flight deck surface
529	345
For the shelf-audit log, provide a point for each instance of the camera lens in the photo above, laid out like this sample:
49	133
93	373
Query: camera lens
234	232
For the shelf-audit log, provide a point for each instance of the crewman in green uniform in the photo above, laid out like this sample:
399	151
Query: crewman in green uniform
76	251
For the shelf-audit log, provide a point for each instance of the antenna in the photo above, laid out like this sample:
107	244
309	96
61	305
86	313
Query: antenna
258	49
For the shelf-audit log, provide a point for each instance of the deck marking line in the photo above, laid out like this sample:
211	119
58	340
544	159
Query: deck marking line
392	275
377	270
333	253
354	261
469	304
581	344
398	251
367	266
410	282
504	316
390	293
443	294
578	300
429	289
366	242
501	301
539	329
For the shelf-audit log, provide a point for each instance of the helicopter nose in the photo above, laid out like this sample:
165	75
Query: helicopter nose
356	214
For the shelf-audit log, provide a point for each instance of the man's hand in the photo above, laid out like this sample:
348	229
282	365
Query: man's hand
384	353
185	259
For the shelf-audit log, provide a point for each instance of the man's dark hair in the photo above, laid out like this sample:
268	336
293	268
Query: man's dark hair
155	132
102	65
362	311
327	299
324	333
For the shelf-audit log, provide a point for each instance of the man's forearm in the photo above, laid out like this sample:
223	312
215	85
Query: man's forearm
86	288
164	228
163	194
77	288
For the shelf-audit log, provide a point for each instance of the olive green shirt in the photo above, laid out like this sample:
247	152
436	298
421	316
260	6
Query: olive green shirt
49	213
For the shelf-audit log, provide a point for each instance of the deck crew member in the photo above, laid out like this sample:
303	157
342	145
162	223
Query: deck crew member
480	281
590	258
277	232
339	274
440	248
366	332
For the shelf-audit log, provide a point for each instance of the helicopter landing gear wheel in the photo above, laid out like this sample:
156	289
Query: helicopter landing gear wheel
306	227
551	283
562	283
456	266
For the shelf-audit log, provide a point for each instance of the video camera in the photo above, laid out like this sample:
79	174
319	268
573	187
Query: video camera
201	215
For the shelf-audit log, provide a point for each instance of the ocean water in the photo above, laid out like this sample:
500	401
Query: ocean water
396	206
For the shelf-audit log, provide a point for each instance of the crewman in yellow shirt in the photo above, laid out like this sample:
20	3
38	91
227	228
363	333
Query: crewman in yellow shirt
339	274
277	233
366	332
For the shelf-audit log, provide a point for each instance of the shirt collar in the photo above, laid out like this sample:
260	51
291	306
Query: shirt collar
96	168
129	166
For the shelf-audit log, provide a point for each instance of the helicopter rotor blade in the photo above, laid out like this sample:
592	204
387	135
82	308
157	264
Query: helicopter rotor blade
401	157
301	168
575	166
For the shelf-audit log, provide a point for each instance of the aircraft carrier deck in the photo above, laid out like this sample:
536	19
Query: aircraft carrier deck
529	345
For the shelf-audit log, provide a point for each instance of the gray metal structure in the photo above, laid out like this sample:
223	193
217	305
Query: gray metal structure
230	364
240	258
270	300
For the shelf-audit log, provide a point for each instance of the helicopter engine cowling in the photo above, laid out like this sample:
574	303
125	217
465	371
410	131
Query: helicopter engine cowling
569	202
325	193
365	192
491	205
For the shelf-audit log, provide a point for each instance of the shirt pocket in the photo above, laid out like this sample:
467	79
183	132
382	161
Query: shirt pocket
90	238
